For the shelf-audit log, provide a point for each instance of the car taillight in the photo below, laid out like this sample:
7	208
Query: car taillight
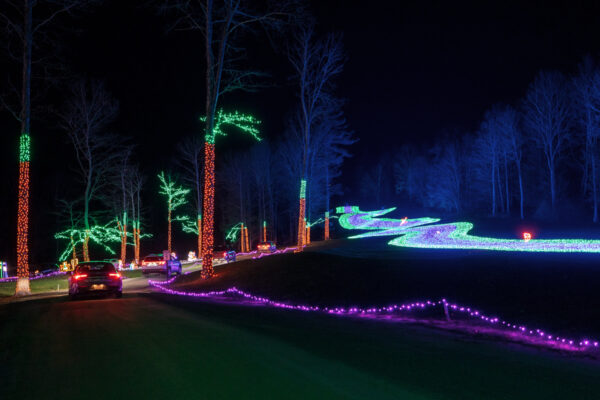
224	254
114	275
79	276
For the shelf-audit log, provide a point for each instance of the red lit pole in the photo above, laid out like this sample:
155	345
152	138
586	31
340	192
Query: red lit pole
264	231
199	236
301	215
22	287
326	225
208	209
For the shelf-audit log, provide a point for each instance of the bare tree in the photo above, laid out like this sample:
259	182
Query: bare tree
191	163
587	101
135	189
507	120
124	175
332	139
222	23
316	62
444	186
487	150
89	110
26	29
546	116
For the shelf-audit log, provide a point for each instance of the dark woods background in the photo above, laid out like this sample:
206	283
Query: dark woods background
428	89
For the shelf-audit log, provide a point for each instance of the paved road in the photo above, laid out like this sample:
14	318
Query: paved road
152	346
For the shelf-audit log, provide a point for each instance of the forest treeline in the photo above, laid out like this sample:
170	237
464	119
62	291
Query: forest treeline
537	157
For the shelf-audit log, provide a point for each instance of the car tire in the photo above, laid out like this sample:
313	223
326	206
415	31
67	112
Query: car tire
118	294
72	296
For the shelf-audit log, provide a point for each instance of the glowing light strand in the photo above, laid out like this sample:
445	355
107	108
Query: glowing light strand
514	331
245	122
422	233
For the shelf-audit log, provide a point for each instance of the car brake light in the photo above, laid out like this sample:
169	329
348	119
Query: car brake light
115	275
79	276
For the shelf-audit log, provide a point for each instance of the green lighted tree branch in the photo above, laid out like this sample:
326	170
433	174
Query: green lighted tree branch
175	198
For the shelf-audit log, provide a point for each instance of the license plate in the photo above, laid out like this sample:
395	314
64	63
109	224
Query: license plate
98	287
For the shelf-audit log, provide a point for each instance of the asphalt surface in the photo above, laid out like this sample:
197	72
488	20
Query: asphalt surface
153	346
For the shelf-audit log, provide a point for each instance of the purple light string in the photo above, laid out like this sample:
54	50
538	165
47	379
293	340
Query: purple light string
536	336
14	278
261	255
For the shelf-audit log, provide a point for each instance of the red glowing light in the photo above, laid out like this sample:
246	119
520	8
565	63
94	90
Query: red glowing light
79	276
526	236
115	275
208	210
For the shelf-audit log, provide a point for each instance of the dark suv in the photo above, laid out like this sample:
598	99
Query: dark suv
95	277
224	253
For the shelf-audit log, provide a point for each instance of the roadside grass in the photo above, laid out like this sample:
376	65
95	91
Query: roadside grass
49	284
136	273
557	292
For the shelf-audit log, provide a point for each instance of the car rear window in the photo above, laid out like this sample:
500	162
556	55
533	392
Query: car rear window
95	267
153	258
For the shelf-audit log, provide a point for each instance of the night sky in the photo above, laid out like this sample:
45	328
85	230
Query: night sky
414	70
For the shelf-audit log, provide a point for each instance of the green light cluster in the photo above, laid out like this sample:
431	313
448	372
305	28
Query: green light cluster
318	221
346	209
25	148
425	233
247	123
175	194
188	225
302	188
233	232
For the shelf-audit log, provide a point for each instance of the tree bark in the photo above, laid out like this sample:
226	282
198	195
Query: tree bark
520	187
22	287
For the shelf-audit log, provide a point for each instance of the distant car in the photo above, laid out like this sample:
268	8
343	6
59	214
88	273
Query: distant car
266	246
44	269
95	277
156	264
224	253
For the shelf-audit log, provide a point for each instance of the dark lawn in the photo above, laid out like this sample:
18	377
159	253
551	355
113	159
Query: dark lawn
557	292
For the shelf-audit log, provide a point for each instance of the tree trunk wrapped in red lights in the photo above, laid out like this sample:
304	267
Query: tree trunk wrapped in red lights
247	241
23	231
208	208
307	241
242	239
86	252
123	233
301	225
199	236
326	227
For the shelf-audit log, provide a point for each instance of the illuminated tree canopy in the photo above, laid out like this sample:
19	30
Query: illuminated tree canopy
175	194
245	122
175	198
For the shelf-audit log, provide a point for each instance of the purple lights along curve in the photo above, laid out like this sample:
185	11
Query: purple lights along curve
424	233
492	326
